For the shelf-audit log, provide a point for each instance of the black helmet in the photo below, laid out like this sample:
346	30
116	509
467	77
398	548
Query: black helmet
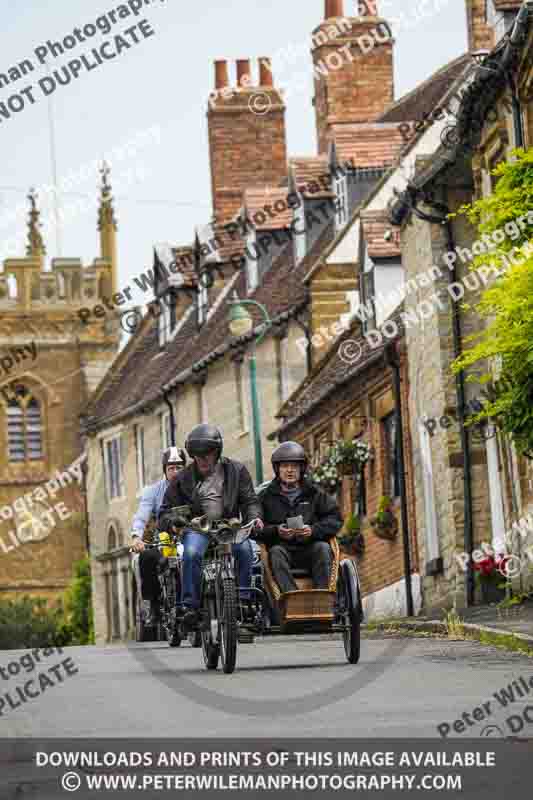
174	455
289	451
204	439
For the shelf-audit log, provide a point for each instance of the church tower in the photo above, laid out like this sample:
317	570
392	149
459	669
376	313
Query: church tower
50	362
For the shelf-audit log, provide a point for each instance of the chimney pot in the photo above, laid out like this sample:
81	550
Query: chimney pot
244	73
221	74
265	72
334	8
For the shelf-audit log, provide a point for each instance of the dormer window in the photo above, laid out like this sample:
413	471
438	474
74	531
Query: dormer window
202	302
252	262
300	238
167	318
341	193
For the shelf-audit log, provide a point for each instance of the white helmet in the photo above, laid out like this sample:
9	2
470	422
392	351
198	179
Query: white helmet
173	455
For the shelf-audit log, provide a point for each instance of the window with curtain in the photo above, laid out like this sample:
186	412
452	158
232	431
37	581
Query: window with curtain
24	427
392	472
165	430
139	450
113	468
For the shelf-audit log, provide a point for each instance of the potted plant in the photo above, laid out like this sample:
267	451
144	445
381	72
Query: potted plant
350	537
385	524
491	577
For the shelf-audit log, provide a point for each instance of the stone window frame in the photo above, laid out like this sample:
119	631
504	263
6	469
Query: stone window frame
34	470
23	398
105	441
140	455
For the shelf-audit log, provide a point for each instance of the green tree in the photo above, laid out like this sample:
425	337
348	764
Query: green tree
504	348
77	624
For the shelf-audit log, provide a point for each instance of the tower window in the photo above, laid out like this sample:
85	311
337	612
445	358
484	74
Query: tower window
24	427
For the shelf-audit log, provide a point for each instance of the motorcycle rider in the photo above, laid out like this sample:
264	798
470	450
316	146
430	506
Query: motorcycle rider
291	494
173	459
219	488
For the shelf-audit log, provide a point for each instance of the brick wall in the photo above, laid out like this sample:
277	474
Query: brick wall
480	35
370	393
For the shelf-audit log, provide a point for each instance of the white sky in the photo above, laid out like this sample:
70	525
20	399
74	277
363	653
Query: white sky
165	81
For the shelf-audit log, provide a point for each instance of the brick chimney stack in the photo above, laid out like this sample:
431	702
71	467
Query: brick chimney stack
354	69
480	33
247	141
334	8
221	74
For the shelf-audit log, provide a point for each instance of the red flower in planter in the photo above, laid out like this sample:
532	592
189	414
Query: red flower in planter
490	565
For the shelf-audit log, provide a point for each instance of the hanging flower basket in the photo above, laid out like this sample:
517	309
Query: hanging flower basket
344	458
353	545
350	539
385	524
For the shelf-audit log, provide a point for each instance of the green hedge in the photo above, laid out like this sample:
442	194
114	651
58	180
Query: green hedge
30	622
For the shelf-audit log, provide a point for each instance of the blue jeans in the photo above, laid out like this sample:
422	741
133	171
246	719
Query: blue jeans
194	547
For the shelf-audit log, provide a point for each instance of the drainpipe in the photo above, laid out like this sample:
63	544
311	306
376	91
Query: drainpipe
460	392
392	361
308	351
172	419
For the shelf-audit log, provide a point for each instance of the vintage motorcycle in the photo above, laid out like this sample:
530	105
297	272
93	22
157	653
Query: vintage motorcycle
169	576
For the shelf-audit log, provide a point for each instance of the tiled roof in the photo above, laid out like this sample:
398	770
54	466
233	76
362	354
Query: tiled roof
307	171
346	359
427	95
257	199
375	225
367	144
507	5
147	369
349	357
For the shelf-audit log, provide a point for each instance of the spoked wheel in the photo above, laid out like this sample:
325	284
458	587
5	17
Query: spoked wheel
210	646
350	617
170	625
143	633
227	624
171	629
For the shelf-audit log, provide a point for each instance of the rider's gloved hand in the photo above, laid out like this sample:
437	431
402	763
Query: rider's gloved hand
137	544
258	525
